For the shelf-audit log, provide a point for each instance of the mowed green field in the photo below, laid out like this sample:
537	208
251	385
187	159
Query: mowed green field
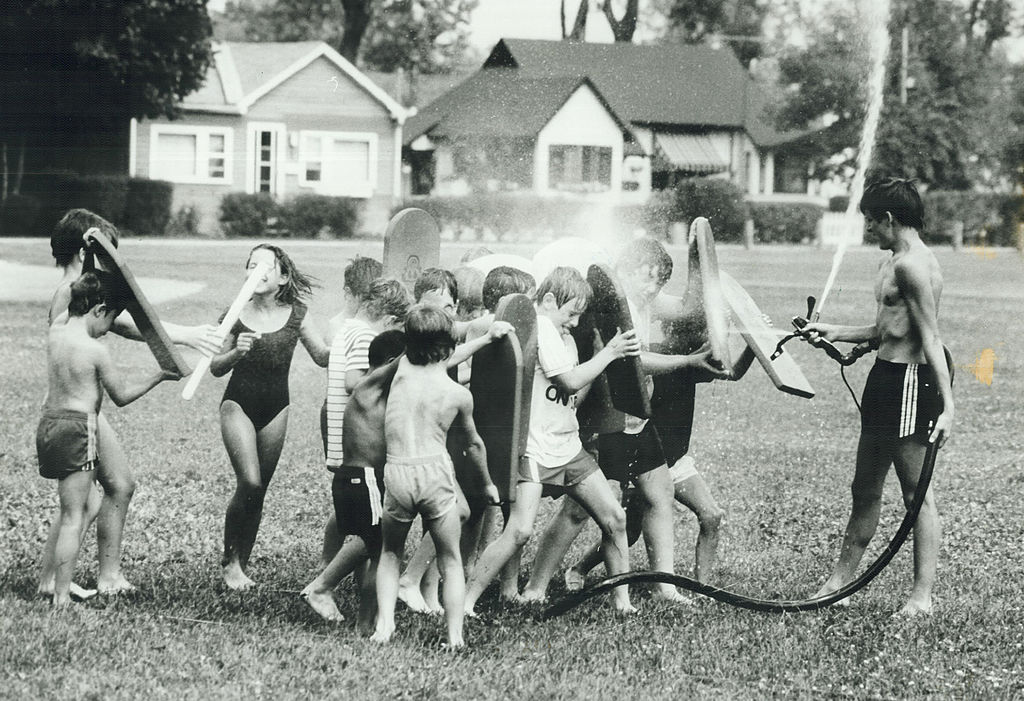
779	465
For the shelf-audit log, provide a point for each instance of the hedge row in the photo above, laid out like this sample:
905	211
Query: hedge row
988	218
304	216
134	205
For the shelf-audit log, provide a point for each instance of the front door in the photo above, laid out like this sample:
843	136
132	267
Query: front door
266	144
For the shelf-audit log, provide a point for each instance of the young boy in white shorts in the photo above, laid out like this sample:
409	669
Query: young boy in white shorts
423	404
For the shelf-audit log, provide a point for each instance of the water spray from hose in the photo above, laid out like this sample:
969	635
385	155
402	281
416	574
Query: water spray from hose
876	15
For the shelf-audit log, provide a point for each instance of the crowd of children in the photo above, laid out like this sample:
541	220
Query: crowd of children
398	431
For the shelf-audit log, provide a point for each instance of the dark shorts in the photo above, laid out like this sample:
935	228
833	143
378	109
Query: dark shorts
354	506
65	443
625	456
900	400
672	404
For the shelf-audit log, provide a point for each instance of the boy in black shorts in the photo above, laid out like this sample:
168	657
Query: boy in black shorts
359	483
908	398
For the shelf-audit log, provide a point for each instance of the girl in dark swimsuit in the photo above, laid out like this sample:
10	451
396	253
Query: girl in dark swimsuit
254	411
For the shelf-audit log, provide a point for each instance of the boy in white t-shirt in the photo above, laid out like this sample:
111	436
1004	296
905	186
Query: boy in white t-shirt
386	304
555	458
635	456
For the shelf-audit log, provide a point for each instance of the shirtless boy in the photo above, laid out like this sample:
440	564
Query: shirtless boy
79	370
554	454
358	485
424	403
908	398
109	504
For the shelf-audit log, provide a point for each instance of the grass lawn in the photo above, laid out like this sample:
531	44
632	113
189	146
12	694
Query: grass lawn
779	465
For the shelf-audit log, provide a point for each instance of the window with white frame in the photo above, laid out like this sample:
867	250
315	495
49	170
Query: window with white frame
190	154
338	163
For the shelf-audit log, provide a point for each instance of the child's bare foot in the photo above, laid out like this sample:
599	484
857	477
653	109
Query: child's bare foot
236	579
323	604
625	608
671	595
914	608
114	586
81	593
830	588
574	580
76	591
456	642
530	596
413	598
60	603
383	632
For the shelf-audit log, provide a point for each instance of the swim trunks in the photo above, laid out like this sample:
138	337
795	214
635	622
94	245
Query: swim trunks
625	456
900	400
424	486
65	443
259	380
356	492
566	475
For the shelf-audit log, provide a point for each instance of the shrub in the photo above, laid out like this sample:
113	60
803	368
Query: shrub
308	216
838	203
987	217
785	222
720	201
18	214
184	223
246	215
148	206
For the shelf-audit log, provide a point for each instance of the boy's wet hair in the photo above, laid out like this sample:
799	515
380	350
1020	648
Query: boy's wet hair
436	279
387	296
96	287
505	280
897	196
470	282
385	347
360	274
66	240
428	335
645	251
299	285
566	284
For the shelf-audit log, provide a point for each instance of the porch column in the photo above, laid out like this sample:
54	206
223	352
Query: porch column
769	173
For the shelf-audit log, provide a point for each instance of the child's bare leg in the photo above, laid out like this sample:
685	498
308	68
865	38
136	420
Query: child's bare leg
253	458
118	483
74	495
48	569
409	584
516	534
394	534
874	455
445	532
319	593
693	493
367	598
657	496
332	541
596	497
554	544
909	459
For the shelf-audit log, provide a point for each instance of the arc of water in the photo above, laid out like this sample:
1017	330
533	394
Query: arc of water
877	18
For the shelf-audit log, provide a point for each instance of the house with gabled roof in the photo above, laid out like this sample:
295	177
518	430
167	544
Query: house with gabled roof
681	110
283	118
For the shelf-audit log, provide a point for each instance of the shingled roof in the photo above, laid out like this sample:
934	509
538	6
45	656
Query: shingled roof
499	102
656	84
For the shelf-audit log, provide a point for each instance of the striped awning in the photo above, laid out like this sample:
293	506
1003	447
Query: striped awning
692	152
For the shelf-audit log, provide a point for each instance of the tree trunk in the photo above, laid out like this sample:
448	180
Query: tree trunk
622	29
3	193
579	25
357	19
16	189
